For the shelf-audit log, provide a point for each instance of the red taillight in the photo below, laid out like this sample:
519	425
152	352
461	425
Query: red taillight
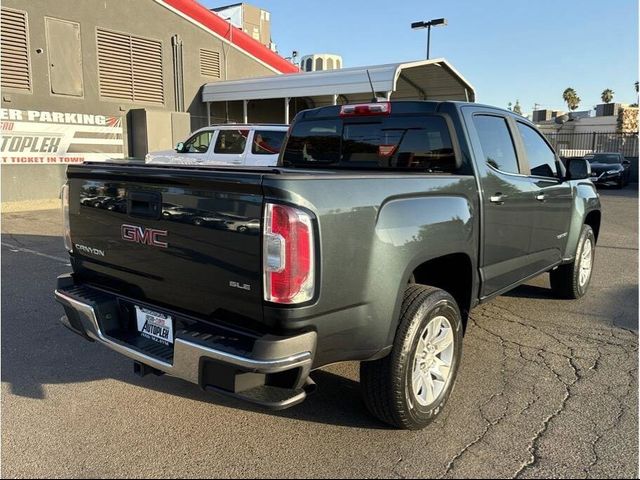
365	109
289	260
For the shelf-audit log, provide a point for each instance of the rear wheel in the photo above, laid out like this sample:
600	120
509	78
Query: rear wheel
572	280
409	387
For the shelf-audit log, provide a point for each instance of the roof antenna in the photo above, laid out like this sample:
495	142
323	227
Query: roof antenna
374	99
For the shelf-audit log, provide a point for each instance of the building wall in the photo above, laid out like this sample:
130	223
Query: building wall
256	22
145	18
597	124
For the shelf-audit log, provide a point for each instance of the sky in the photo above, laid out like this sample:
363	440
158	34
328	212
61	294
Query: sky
507	49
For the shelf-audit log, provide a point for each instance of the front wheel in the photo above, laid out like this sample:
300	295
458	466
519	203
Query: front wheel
572	280
408	388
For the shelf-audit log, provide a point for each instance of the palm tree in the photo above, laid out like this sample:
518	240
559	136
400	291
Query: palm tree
636	86
571	98
607	95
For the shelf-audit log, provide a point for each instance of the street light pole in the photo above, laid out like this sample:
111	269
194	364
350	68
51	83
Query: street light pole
431	23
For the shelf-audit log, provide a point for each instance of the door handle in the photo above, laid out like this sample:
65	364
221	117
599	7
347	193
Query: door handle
498	198
540	197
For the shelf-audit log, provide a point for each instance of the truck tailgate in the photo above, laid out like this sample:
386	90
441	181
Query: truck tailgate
183	239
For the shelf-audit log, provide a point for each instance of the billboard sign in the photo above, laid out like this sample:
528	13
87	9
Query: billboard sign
42	137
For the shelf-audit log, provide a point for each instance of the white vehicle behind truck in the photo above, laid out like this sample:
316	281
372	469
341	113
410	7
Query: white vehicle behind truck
250	145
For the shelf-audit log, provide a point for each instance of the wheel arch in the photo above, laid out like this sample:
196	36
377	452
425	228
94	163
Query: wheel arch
593	219
453	272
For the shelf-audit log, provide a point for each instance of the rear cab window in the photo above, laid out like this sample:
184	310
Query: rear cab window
411	142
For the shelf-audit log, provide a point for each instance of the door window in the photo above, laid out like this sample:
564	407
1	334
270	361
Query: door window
199	143
231	141
266	142
497	144
542	160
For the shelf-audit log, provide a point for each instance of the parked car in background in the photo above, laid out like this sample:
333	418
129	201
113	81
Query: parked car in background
609	169
250	145
244	226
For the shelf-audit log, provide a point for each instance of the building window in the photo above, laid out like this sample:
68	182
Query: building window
65	57
130	67
209	63
309	65
14	37
329	63
319	64
337	63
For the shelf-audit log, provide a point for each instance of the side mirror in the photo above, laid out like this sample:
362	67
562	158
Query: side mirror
626	162
578	169
180	147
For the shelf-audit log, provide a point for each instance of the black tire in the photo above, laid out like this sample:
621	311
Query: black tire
197	221
386	383
565	280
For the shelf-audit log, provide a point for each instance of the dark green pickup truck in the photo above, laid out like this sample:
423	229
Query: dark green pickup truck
381	227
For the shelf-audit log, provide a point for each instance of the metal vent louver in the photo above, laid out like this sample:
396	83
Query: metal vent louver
15	70
209	63
130	68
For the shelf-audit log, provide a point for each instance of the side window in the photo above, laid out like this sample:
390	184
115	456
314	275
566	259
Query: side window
199	143
541	158
497	144
231	141
267	142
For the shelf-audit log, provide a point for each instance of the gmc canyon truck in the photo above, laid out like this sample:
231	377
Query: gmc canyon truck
381	227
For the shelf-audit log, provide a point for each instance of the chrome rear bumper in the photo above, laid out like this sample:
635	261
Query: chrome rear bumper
270	355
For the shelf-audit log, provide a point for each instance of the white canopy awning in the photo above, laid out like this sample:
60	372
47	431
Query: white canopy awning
421	80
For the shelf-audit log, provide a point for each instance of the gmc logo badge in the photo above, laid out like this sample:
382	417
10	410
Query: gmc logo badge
145	236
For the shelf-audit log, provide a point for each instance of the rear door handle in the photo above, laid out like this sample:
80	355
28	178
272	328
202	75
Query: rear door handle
540	197
498	198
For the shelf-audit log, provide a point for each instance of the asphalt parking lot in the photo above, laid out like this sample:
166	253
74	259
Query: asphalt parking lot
547	388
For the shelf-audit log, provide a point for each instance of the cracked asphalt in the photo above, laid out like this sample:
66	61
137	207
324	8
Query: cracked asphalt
547	388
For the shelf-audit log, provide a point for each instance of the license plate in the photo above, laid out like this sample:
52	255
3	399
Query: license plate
155	326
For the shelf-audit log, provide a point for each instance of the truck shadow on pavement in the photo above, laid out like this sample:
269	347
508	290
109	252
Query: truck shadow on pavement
37	351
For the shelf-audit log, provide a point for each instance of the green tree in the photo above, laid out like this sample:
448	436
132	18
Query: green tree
607	95
571	98
516	108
